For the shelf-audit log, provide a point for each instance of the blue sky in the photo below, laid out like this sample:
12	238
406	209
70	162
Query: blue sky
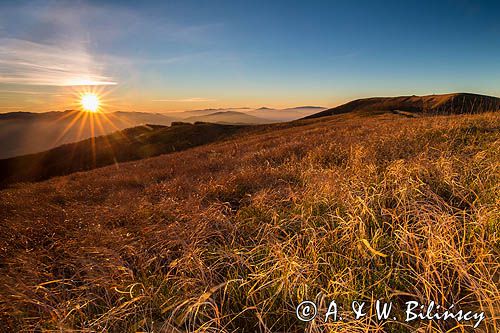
176	55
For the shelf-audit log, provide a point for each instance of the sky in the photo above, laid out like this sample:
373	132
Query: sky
179	55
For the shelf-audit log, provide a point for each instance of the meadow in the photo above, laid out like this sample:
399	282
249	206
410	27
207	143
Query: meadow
231	236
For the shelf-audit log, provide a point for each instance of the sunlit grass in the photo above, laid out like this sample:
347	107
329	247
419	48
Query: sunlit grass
232	236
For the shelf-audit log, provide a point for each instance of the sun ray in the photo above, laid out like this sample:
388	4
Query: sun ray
82	125
107	117
83	122
66	115
109	145
68	127
92	139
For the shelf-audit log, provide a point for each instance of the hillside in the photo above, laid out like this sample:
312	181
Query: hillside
228	117
434	104
130	144
51	129
231	236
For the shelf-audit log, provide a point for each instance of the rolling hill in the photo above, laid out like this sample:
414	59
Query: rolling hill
457	103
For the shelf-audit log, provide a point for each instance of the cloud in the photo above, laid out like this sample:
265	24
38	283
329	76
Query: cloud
26	62
26	92
65	43
192	99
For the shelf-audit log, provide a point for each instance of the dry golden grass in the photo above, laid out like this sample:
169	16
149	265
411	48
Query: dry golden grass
232	236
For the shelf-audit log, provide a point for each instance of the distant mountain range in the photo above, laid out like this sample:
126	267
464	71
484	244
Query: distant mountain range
278	115
229	117
51	129
269	114
205	112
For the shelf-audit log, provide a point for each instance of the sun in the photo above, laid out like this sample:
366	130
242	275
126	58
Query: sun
90	102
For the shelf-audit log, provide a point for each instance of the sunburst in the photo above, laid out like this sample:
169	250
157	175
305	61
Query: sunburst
90	109
90	102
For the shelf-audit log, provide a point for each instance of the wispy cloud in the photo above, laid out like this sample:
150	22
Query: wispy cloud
192	99
26	62
27	92
66	43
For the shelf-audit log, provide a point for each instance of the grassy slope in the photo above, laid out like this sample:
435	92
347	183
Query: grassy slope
233	235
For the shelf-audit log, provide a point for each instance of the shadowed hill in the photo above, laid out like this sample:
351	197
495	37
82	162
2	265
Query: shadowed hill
436	104
52	129
130	144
